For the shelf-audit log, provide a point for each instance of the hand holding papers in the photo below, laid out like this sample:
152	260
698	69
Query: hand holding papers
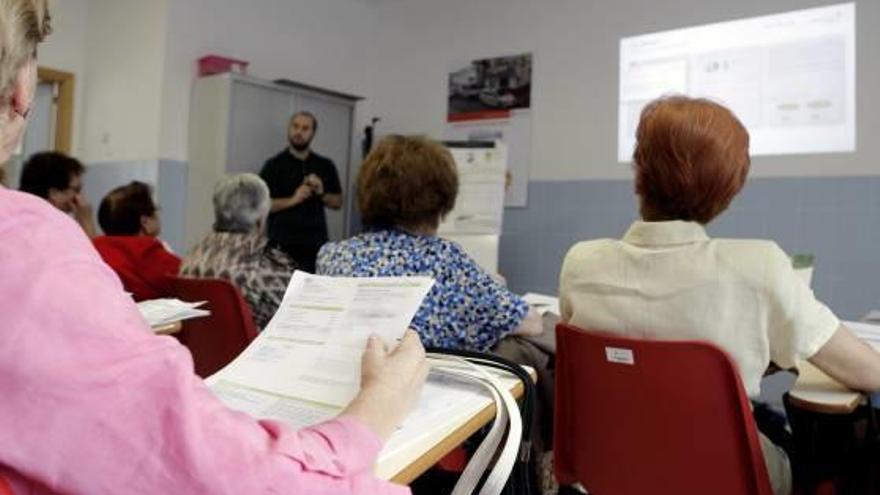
311	349
390	383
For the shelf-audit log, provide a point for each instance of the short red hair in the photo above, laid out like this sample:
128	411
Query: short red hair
691	159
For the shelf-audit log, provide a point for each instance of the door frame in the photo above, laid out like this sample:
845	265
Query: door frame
63	105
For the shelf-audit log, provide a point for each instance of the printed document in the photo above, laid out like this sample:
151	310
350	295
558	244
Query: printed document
311	349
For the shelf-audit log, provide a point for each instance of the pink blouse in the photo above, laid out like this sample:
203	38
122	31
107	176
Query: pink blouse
91	402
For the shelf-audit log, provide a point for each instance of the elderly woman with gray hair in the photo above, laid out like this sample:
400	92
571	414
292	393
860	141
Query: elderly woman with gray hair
238	249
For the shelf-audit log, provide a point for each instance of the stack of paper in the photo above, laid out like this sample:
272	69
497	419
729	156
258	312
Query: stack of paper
543	304
160	312
868	332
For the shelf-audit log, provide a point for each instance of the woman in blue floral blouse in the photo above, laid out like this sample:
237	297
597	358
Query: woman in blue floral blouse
405	186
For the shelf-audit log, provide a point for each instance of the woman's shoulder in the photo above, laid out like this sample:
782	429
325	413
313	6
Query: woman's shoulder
591	248
749	249
443	245
334	248
764	259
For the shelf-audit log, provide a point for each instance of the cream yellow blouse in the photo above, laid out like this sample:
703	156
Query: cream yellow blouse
670	281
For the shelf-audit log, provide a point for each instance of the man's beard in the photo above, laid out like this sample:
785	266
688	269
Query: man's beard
300	147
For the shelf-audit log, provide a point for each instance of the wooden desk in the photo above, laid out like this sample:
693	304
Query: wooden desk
168	329
815	391
411	461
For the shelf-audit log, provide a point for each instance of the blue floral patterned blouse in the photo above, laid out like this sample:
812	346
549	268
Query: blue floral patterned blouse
466	308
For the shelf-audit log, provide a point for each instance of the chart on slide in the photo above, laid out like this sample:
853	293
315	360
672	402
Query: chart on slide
790	78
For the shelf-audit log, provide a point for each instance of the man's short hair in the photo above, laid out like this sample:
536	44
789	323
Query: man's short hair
310	115
121	209
408	181
48	170
691	159
240	202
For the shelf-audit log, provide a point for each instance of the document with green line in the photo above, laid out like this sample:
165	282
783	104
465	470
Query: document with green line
311	349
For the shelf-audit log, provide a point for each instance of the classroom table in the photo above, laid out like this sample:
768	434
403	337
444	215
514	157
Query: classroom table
817	392
405	463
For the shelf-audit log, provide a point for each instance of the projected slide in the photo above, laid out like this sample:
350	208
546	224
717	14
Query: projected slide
789	77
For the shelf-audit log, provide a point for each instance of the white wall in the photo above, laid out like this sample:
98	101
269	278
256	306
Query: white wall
135	63
125	48
65	49
574	97
326	43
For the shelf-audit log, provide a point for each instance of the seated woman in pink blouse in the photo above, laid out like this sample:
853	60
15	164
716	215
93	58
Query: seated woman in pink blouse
94	403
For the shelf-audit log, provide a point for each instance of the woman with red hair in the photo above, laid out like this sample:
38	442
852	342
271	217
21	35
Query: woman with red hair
667	279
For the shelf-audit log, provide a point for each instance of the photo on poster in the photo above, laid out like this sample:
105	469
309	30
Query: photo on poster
489	88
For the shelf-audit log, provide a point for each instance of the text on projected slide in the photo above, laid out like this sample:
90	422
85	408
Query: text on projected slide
790	78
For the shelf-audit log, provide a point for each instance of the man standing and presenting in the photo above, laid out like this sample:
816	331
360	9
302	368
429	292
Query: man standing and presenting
302	183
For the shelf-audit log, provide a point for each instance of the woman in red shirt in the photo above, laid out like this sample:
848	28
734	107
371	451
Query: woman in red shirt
130	221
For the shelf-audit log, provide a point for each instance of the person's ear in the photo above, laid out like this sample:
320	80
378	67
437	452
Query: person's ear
23	89
145	224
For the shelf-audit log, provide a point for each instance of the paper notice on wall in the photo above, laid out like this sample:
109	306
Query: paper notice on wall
479	207
311	349
516	133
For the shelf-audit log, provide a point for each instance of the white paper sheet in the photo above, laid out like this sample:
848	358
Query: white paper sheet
479	208
159	312
312	347
869	332
873	316
264	405
543	304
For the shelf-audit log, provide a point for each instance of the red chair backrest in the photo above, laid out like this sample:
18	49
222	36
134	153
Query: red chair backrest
638	416
5	489
215	340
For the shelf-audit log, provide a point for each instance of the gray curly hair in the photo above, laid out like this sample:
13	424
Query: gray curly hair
23	24
241	202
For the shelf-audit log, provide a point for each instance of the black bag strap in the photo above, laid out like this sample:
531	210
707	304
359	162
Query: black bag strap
520	482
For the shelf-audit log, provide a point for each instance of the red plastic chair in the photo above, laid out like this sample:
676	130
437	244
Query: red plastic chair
216	340
5	489
639	416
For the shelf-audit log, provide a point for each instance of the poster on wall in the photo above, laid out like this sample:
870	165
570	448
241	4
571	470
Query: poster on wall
490	100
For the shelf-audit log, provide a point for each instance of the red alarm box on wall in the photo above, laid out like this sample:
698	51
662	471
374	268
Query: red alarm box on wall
216	64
